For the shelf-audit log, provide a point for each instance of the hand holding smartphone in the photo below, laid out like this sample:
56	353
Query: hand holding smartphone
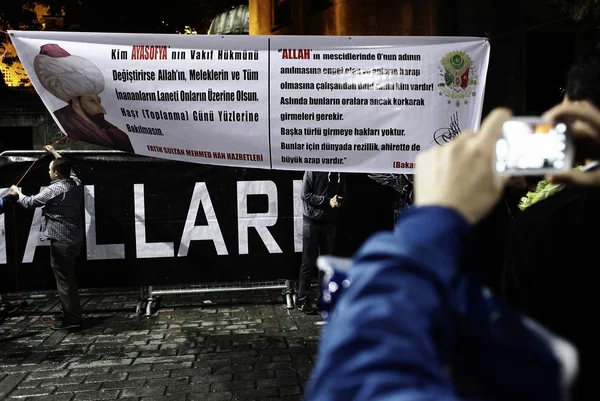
534	146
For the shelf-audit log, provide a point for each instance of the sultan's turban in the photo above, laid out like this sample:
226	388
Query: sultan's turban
65	76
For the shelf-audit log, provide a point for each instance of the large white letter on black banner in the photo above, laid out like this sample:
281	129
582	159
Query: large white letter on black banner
143	249
34	240
260	221
2	241
96	251
298	213
211	231
3	261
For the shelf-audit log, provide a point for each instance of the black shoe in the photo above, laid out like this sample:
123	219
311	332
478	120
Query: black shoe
57	317
66	325
307	308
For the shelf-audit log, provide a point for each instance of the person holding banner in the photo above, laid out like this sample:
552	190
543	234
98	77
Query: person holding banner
322	195
78	82
62	203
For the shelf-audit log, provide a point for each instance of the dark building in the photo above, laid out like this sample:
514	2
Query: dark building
529	55
342	17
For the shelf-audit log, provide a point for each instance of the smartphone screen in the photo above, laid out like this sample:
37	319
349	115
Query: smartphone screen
532	146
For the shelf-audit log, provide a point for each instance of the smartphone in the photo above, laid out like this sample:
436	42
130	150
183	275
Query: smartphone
534	146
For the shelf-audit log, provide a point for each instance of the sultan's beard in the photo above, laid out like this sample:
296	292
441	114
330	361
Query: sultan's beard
99	120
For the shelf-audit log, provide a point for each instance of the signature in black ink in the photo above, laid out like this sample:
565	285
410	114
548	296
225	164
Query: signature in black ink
445	135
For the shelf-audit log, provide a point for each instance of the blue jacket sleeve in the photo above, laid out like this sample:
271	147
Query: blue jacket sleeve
379	344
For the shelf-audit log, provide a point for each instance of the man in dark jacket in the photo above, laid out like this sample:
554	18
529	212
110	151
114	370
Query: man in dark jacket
552	247
322	195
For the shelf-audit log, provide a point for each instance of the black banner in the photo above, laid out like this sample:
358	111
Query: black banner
155	222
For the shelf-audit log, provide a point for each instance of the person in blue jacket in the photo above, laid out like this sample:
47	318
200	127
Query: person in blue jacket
410	326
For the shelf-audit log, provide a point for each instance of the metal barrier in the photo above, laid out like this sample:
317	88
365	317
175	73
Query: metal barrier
150	296
149	300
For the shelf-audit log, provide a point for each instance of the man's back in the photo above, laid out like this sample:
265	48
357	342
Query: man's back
62	203
65	209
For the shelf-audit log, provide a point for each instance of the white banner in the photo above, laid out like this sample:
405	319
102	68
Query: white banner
353	104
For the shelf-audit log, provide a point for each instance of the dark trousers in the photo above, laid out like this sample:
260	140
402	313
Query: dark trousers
62	259
317	239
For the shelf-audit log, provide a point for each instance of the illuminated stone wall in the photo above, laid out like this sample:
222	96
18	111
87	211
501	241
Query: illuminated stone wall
344	17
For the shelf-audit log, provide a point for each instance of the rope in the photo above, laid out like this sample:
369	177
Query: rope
36	160
489	37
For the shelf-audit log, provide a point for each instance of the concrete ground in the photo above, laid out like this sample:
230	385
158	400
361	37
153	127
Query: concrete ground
211	347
